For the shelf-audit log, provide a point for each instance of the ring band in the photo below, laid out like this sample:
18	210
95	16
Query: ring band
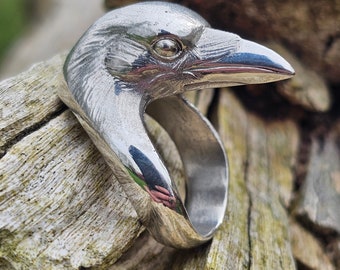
176	224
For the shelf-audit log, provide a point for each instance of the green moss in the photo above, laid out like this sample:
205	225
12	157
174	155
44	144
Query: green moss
12	22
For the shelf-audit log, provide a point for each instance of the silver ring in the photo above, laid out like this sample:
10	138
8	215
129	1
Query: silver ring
140	59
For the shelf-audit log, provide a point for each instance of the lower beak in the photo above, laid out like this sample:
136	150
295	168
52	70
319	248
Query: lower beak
226	59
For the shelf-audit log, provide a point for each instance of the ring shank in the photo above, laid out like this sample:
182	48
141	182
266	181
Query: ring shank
203	158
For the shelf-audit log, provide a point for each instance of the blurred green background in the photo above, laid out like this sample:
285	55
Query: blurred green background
13	18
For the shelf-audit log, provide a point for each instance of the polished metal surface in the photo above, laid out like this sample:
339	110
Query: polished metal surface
141	58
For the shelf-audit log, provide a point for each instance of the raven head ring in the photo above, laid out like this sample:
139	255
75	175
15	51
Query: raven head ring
141	59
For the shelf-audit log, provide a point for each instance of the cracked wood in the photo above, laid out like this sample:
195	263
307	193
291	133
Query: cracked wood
60	206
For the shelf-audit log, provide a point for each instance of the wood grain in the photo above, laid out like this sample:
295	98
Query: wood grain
62	208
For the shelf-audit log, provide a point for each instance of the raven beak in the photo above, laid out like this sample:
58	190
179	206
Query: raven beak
225	59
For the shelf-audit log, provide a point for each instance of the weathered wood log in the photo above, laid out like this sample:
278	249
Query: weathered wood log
261	175
307	250
61	207
27	103
57	204
307	88
75	214
320	195
41	146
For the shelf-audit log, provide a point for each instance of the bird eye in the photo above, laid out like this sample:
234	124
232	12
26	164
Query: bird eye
167	48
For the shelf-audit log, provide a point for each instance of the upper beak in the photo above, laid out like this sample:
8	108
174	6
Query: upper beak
225	59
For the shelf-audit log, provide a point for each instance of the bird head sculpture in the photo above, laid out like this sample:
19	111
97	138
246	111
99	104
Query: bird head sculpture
142	58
